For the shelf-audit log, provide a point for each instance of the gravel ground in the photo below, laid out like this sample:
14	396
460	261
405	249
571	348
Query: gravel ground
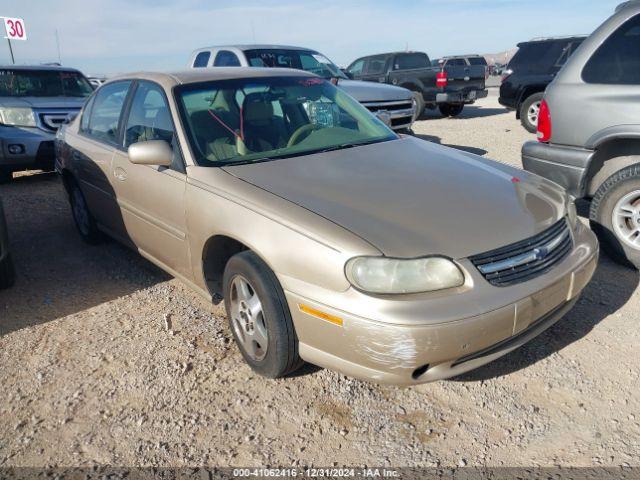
107	360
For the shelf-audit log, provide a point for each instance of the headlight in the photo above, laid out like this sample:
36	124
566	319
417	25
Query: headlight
19	117
572	211
394	276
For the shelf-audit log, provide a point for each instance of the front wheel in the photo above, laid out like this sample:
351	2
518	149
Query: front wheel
529	112
615	215
418	104
451	109
259	316
7	272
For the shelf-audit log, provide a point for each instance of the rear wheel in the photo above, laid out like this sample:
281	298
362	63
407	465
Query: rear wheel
529	112
451	109
7	273
259	316
615	215
84	220
5	176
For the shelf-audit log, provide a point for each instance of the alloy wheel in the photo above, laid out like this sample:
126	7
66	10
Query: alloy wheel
247	318
80	212
626	219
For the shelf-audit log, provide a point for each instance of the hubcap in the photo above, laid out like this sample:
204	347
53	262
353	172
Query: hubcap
247	318
533	112
80	212
626	219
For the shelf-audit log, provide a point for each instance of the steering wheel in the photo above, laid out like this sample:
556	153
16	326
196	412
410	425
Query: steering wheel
300	131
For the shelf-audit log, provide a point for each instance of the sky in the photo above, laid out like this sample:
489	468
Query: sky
115	36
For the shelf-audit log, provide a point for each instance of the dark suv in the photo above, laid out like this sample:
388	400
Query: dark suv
529	72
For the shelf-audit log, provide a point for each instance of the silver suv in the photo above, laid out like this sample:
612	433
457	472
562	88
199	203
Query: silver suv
34	102
589	131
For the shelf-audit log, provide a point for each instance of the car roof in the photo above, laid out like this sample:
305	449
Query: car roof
196	75
28	68
259	46
568	38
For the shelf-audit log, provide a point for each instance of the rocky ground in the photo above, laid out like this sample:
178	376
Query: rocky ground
104	359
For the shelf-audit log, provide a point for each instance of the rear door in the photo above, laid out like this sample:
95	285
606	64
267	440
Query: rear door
92	151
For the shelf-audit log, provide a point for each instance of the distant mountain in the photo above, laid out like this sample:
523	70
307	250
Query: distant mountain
500	57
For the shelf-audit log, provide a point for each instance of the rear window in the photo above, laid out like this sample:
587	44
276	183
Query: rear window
617	61
43	83
477	61
537	56
408	61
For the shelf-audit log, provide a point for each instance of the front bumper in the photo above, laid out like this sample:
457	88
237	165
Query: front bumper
461	97
422	338
566	166
36	149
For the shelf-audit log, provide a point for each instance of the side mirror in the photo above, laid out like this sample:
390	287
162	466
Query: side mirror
151	152
347	73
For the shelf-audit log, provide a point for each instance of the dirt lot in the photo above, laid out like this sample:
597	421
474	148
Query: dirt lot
89	373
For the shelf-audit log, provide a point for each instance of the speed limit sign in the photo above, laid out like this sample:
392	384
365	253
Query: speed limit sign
15	28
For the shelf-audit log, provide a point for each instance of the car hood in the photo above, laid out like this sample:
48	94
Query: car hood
410	198
373	92
42	102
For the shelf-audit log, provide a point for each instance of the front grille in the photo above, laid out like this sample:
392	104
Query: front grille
388	106
527	259
52	119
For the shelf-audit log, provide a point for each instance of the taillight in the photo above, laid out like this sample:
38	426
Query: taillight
506	74
441	79
544	122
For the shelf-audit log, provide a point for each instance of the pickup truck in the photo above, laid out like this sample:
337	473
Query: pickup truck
392	105
432	87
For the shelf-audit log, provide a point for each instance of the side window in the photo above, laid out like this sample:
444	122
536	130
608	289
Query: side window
202	59
86	112
225	58
408	61
617	60
106	110
150	119
376	65
356	67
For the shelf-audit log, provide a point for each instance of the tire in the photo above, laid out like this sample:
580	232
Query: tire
265	336
619	234
7	273
5	176
529	119
418	102
84	220
451	109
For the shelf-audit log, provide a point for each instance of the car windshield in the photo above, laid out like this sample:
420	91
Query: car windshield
43	83
306	60
259	119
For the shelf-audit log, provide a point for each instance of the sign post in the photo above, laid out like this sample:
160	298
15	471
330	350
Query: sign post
15	30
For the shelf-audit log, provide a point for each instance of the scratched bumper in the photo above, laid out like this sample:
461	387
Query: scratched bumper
422	338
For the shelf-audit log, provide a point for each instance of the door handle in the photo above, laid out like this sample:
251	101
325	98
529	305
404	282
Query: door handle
120	174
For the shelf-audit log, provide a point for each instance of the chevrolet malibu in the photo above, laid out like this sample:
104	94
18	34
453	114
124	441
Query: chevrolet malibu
331	239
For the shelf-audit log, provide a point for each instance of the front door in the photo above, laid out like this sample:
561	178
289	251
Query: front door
151	198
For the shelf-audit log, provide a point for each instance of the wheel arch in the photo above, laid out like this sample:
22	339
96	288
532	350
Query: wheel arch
611	155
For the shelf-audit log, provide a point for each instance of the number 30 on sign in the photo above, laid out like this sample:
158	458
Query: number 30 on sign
15	28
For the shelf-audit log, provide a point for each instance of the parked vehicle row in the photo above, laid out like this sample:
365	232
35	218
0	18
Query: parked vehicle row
390	104
34	102
589	131
448	89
